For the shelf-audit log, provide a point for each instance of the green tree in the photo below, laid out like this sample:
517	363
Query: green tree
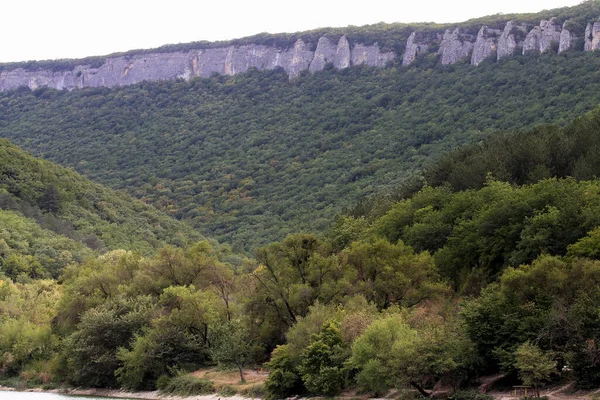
322	368
535	367
284	378
230	345
91	350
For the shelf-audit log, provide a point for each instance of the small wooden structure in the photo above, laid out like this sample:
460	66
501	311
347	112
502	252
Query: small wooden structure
523	391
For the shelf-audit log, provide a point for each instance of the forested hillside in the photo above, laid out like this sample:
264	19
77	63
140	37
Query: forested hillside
447	285
468	244
246	158
51	216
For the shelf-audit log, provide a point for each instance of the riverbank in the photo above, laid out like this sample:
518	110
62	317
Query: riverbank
122	394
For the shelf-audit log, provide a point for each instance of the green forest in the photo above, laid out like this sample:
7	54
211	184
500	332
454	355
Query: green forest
446	284
406	232
234	156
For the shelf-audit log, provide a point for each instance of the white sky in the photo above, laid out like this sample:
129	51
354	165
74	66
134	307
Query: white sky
50	29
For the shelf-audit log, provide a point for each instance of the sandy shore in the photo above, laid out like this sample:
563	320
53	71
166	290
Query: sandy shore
122	394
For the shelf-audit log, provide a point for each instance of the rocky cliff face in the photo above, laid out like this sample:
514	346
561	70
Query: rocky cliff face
567	39
454	45
417	43
510	40
592	37
485	44
231	60
541	38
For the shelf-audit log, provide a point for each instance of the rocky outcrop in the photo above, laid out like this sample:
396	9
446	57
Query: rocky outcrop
543	37
342	54
592	37
417	43
510	40
230	60
328	53
455	46
485	44
567	39
324	54
370	55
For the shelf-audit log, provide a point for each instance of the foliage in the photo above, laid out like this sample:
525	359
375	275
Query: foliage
535	367
307	147
552	302
230	346
470	395
322	362
284	378
254	391
56	216
391	354
188	385
227	391
475	234
92	349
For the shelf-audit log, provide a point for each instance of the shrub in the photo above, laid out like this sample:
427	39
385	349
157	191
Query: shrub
470	395
163	382
188	385
255	391
227	391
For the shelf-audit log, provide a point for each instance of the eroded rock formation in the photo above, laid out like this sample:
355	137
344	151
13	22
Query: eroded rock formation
567	39
417	43
543	37
453	46
231	60
592	37
485	44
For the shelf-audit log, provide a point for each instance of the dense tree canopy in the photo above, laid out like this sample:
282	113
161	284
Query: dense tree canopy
246	158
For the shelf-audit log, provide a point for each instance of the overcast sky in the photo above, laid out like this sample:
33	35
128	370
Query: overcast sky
50	29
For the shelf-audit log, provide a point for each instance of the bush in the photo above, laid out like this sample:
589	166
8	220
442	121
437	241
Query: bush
187	385
254	391
227	391
163	382
284	379
470	395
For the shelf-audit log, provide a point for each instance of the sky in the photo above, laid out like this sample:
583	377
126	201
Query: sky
53	29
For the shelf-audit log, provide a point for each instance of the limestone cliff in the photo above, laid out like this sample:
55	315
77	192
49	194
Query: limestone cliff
592	37
567	39
485	44
451	45
417	43
510	40
455	46
230	60
542	38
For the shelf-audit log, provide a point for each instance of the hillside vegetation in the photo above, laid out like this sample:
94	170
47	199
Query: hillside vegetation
481	260
445	286
52	216
246	158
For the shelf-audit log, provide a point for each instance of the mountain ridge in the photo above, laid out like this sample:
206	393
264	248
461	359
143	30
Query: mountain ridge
474	41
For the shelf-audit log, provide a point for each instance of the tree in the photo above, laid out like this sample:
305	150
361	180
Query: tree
284	379
392	274
322	362
51	199
534	365
230	345
92	349
391	354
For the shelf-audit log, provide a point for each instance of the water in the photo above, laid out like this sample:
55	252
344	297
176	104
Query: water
43	396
